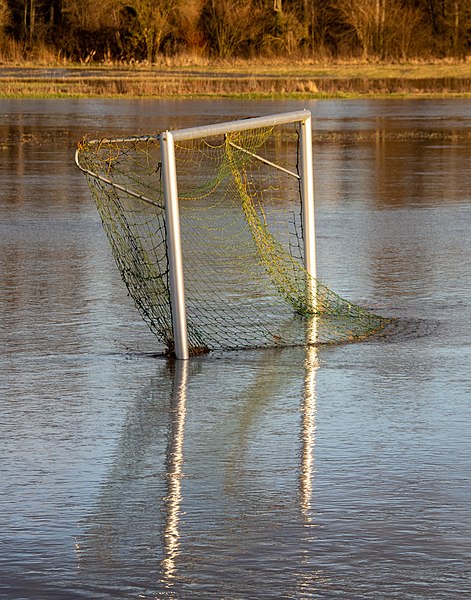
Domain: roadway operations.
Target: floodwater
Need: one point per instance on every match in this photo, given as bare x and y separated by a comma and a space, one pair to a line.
336, 472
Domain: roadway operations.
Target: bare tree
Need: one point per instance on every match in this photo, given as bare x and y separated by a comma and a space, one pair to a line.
153, 23
232, 26
92, 15
138, 29
188, 25
5, 16
385, 28
363, 17
456, 20
406, 32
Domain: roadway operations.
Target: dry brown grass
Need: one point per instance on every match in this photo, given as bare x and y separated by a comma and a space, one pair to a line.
237, 78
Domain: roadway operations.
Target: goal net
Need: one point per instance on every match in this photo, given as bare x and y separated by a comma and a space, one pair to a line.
242, 238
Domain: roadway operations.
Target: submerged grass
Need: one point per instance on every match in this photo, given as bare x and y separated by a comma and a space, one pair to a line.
248, 80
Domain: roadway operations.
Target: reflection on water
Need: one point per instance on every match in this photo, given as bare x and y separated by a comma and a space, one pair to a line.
175, 471
142, 516
336, 472
308, 431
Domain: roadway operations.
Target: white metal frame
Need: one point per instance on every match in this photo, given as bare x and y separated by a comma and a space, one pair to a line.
169, 177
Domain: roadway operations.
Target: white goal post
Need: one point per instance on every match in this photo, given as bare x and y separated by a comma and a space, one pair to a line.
170, 188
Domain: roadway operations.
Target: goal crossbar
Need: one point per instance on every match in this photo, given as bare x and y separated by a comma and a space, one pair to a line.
203, 131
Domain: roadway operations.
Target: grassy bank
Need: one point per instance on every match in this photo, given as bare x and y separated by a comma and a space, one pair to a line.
253, 79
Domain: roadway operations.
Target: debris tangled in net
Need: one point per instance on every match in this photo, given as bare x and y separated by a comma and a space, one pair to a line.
242, 241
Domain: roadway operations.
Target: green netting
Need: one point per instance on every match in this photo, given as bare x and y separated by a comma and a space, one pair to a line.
242, 240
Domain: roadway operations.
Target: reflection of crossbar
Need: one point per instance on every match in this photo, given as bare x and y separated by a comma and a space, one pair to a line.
264, 160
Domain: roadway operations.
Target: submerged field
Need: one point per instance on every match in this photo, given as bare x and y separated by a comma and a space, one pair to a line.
237, 80
337, 472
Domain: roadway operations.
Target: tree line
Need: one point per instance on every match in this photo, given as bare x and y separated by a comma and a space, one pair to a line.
147, 30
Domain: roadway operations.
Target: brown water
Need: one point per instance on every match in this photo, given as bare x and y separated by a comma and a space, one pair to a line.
336, 473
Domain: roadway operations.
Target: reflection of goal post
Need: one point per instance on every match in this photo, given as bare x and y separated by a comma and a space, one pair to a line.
170, 188
212, 229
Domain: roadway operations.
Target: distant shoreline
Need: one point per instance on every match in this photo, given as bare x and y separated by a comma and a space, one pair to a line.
237, 80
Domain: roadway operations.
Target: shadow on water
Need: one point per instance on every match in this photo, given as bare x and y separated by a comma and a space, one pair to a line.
403, 328
176, 506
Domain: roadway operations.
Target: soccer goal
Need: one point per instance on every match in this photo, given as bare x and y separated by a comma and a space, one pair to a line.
212, 229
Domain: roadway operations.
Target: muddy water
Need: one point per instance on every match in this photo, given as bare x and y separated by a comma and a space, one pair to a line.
341, 472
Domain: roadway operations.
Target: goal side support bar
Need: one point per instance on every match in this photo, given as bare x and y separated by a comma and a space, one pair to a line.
174, 246
169, 177
307, 200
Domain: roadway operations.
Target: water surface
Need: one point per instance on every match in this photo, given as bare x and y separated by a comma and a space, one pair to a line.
337, 472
